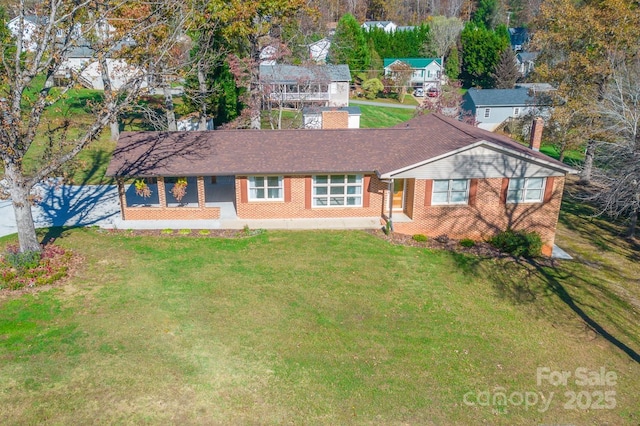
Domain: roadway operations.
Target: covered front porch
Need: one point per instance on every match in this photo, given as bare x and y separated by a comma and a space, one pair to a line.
398, 206
156, 198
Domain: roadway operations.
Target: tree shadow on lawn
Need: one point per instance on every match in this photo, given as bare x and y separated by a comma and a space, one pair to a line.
530, 282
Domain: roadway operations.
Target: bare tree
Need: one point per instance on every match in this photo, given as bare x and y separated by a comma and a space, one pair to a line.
401, 74
444, 33
616, 167
27, 87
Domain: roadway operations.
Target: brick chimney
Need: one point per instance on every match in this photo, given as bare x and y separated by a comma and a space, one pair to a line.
335, 119
536, 134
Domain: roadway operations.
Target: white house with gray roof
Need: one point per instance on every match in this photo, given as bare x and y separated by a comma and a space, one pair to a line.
387, 26
323, 85
492, 107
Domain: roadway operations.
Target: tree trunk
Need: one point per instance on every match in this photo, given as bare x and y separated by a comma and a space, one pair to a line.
202, 86
19, 193
585, 176
168, 105
114, 126
633, 224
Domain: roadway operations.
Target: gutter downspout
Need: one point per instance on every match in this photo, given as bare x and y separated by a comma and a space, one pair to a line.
391, 205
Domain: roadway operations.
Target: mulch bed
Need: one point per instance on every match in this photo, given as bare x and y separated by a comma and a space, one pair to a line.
480, 249
207, 233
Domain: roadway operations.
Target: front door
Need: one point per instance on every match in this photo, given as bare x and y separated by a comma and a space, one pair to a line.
398, 194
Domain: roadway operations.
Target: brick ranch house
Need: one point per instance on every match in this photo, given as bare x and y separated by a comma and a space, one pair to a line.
431, 175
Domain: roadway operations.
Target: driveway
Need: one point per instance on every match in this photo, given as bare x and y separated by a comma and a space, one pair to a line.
67, 205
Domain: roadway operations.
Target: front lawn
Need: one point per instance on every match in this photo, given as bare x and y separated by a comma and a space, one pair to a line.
309, 328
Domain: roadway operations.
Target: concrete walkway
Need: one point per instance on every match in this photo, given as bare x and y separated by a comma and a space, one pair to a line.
300, 224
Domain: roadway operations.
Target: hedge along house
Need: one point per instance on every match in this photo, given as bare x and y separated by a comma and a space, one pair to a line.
431, 175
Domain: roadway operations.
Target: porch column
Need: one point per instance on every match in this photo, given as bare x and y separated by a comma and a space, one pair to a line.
391, 182
201, 197
123, 198
162, 195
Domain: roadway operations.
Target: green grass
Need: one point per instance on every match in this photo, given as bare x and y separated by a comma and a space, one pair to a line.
408, 100
291, 119
311, 328
572, 157
376, 117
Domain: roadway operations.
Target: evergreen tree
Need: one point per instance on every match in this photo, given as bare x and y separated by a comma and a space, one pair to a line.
349, 46
481, 49
376, 64
506, 73
485, 13
452, 66
401, 44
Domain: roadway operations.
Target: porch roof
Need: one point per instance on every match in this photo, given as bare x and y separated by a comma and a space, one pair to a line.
246, 152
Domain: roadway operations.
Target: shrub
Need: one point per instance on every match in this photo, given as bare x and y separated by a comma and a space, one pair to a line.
371, 88
518, 243
18, 270
467, 242
21, 261
167, 231
184, 231
421, 238
204, 232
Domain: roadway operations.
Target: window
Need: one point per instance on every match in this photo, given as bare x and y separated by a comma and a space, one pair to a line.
265, 188
516, 112
487, 112
525, 190
451, 191
337, 191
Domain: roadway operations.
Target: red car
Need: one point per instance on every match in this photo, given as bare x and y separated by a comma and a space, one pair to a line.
433, 92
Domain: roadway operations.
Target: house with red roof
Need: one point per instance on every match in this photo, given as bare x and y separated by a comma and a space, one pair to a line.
432, 175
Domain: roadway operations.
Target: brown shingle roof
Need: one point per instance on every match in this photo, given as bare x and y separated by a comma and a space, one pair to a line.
238, 152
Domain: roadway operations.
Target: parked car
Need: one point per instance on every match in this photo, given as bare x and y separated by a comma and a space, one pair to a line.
419, 92
433, 92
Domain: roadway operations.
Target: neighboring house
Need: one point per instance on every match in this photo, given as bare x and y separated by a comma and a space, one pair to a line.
82, 59
431, 175
491, 107
30, 26
427, 72
526, 62
319, 50
325, 85
537, 89
268, 55
331, 118
387, 26
519, 38
191, 122
32, 23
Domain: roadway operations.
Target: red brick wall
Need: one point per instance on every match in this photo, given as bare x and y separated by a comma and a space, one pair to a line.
488, 216
335, 119
170, 213
297, 202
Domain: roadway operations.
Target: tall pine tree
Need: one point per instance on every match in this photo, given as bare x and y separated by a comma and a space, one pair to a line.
349, 46
506, 73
